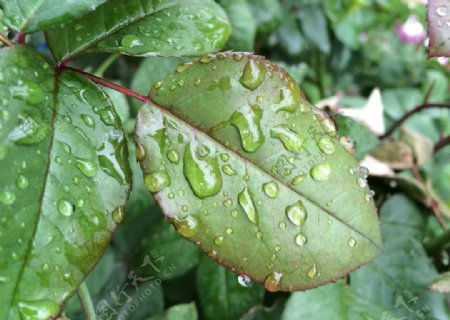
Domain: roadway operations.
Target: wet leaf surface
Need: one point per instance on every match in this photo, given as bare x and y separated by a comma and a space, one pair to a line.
439, 28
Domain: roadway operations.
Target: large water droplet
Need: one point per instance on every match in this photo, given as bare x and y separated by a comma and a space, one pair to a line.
351, 242
65, 208
301, 239
297, 213
228, 170
88, 121
131, 41
291, 140
271, 189
245, 281
218, 241
7, 197
118, 214
312, 272
88, 168
245, 199
298, 179
326, 145
289, 97
254, 74
321, 172
31, 129
173, 156
22, 182
273, 281
442, 11
201, 170
157, 181
37, 310
187, 227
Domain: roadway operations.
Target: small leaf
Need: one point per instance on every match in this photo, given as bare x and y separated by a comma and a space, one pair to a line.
315, 27
254, 175
185, 311
149, 28
441, 283
439, 28
58, 154
268, 14
30, 15
220, 294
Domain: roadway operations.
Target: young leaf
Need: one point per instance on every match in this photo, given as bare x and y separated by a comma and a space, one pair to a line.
438, 28
31, 15
149, 28
268, 14
247, 169
58, 156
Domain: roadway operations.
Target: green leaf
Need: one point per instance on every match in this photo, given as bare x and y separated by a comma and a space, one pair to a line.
58, 155
185, 311
268, 14
334, 301
260, 312
315, 27
220, 294
441, 283
248, 170
292, 41
243, 23
36, 15
438, 15
391, 281
149, 28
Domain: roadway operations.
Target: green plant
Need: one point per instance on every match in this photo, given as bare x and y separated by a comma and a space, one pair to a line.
236, 157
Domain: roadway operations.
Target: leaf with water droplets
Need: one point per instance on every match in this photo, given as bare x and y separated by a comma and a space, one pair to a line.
30, 15
266, 185
144, 28
63, 183
439, 28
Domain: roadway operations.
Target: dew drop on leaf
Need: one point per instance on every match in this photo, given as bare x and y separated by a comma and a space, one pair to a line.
271, 189
88, 168
298, 179
228, 170
131, 41
21, 182
7, 197
218, 241
88, 121
291, 140
326, 145
245, 199
244, 281
312, 272
36, 310
321, 172
254, 74
65, 208
272, 282
173, 156
157, 181
118, 214
301, 239
187, 227
351, 242
347, 143
297, 213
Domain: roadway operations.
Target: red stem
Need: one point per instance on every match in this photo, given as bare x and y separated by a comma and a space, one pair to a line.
442, 143
21, 38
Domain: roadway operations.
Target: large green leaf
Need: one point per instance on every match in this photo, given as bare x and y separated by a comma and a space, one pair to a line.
221, 295
247, 169
58, 156
144, 28
35, 15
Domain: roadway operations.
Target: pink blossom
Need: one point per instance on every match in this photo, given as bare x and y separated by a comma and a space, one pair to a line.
442, 60
412, 31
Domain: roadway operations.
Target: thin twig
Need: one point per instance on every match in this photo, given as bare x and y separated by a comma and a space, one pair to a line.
445, 141
86, 302
106, 64
429, 92
5, 40
408, 114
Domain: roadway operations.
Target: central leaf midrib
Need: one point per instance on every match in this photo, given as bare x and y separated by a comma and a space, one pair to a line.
162, 109
119, 27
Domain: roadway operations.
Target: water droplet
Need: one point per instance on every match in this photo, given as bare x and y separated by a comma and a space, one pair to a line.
297, 213
245, 281
273, 281
348, 144
291, 140
118, 214
65, 208
197, 82
326, 145
362, 182
7, 197
234, 213
271, 189
228, 170
22, 182
301, 239
88, 120
229, 231
218, 241
312, 271
277, 248
206, 59
228, 203
238, 57
289, 97
35, 310
170, 195
131, 41
30, 130
363, 172
282, 225
187, 227
369, 195
225, 157
254, 74
298, 179
157, 181
321, 172
442, 11
88, 168
246, 201
173, 156
351, 243
259, 235
202, 171
184, 208
183, 67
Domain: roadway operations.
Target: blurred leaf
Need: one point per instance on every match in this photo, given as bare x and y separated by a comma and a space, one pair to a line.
267, 13
438, 31
176, 256
186, 311
396, 153
260, 312
336, 301
440, 82
421, 146
31, 15
391, 281
291, 39
243, 23
66, 182
441, 283
3, 29
315, 27
296, 71
162, 28
120, 103
220, 294
249, 215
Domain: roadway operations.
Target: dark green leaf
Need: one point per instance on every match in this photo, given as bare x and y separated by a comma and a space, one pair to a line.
149, 28
267, 13
315, 27
58, 155
243, 23
32, 15
291, 40
247, 169
186, 311
220, 294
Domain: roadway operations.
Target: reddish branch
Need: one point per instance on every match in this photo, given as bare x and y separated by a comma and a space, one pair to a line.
408, 114
5, 40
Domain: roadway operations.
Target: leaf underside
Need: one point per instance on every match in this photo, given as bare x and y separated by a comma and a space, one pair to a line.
58, 155
439, 28
247, 169
144, 28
